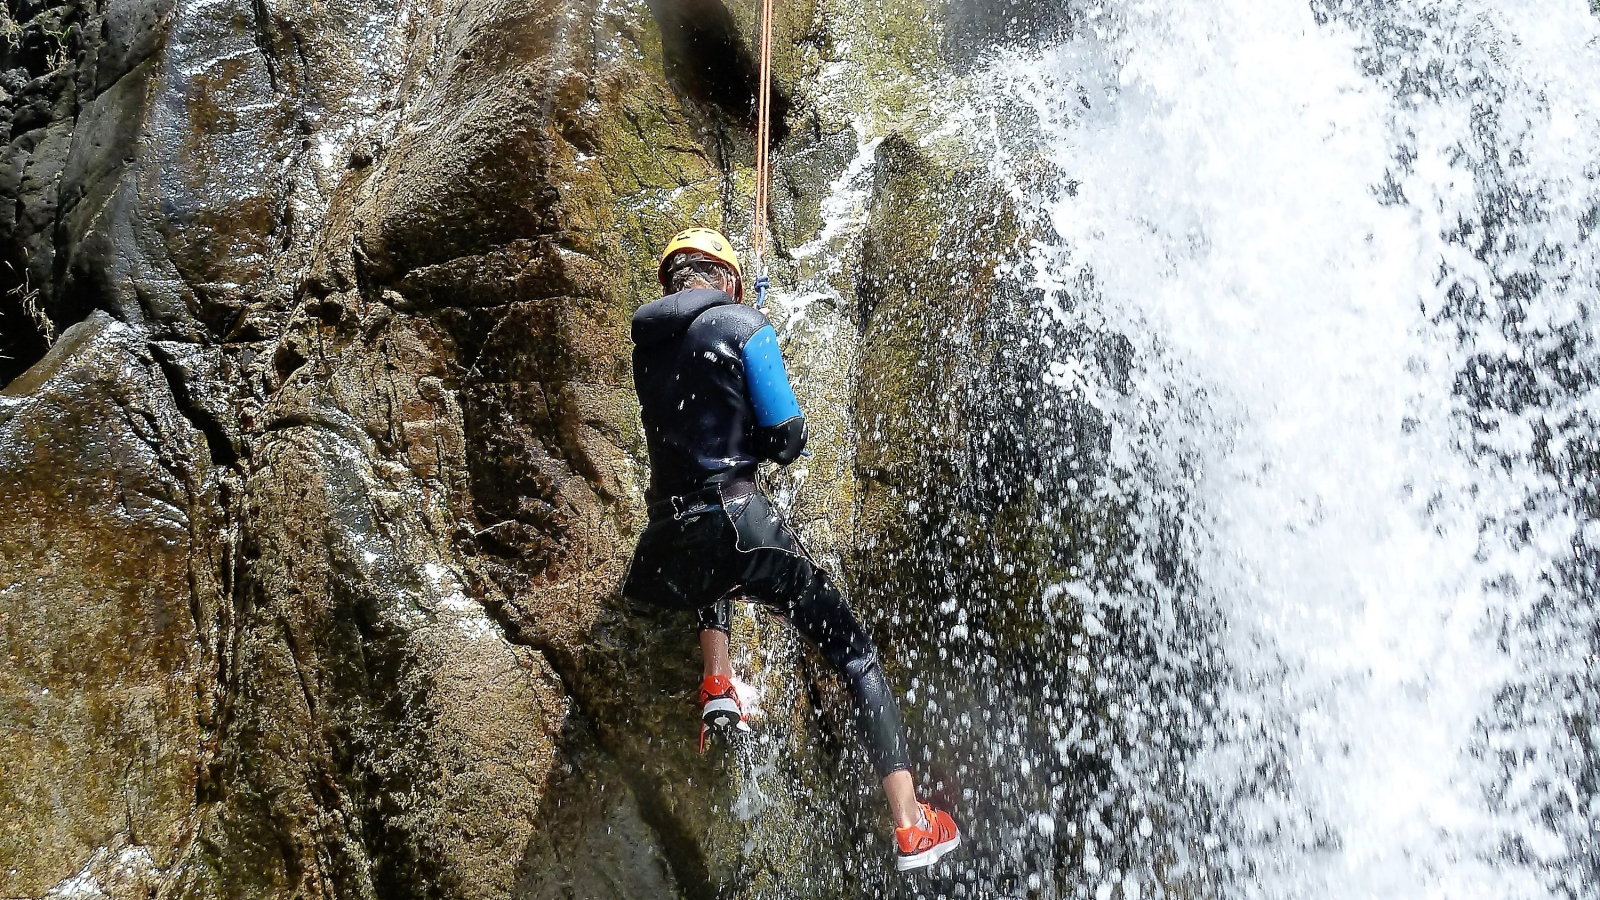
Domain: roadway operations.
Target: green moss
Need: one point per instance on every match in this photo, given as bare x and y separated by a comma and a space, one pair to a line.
927, 285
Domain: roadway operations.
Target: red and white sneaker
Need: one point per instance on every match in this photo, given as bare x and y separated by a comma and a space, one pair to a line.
719, 707
923, 843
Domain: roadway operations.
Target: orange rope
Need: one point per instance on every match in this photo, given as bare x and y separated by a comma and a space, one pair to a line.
758, 237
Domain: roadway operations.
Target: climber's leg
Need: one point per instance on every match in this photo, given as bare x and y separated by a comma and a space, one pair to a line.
777, 572
821, 615
714, 653
902, 795
719, 701
780, 574
690, 562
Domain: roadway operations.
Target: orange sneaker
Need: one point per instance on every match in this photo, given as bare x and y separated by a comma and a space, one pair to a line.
923, 843
719, 707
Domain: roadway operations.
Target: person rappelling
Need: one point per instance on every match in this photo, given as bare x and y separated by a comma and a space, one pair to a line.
716, 402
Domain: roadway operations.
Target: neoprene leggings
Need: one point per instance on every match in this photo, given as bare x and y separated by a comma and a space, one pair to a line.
745, 548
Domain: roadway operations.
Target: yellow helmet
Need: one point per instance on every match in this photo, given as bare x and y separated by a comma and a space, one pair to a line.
712, 243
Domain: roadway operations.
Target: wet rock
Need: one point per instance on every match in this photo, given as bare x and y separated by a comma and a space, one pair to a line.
978, 29
597, 845
111, 574
384, 735
337, 464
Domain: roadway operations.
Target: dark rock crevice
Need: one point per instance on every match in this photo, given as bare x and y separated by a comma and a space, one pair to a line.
261, 24
39, 63
713, 63
219, 440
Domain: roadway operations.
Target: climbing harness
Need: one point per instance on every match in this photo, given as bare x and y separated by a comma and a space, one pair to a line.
758, 225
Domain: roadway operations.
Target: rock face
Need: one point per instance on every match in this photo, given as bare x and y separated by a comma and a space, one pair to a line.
317, 505
111, 609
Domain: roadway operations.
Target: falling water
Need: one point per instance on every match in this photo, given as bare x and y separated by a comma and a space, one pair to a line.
1310, 308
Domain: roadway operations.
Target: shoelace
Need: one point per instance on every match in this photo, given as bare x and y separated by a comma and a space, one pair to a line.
923, 828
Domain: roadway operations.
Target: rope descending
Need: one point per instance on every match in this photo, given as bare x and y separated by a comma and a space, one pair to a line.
758, 225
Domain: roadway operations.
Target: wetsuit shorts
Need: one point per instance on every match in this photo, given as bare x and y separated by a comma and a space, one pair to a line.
701, 555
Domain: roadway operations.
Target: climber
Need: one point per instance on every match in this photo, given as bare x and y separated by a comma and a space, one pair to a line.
716, 401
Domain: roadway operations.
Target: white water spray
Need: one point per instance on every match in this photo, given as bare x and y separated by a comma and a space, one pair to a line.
1324, 229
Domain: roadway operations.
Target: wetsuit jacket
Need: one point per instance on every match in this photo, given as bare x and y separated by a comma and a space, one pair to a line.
715, 397
716, 401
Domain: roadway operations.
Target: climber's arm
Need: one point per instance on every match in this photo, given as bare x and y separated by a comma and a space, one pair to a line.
780, 433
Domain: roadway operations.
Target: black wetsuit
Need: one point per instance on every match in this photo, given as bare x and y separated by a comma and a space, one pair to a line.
715, 402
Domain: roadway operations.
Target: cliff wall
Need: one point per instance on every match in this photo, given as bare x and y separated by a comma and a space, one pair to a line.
323, 463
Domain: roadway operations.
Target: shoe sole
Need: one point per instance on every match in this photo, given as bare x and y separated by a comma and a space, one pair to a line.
927, 857
720, 714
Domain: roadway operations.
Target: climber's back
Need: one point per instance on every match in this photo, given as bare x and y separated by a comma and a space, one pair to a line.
689, 370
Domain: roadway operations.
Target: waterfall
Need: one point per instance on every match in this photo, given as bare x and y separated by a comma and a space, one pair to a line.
1323, 279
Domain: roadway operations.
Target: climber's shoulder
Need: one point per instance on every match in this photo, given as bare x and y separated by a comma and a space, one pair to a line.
731, 324
669, 317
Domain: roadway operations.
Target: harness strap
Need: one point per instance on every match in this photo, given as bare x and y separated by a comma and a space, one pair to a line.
699, 502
